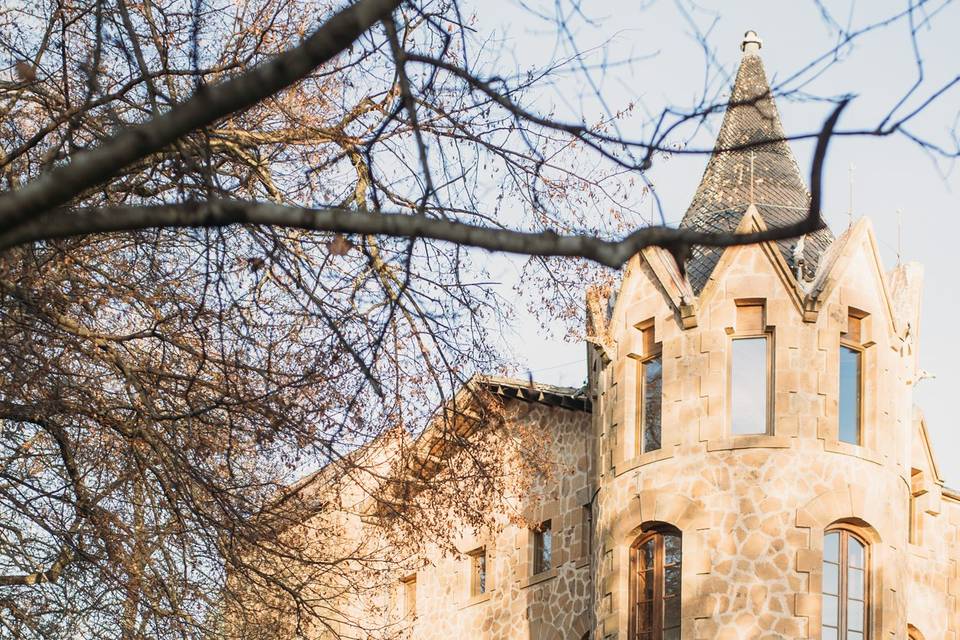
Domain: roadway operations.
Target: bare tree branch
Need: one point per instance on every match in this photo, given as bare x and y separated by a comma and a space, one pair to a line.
209, 104
611, 253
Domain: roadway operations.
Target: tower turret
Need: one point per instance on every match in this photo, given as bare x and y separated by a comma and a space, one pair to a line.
752, 163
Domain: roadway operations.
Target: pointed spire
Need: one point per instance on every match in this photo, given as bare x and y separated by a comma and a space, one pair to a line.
751, 163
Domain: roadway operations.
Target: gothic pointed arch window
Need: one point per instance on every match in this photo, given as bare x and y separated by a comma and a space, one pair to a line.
655, 569
846, 579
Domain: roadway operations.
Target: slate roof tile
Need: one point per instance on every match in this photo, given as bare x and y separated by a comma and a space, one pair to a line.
764, 173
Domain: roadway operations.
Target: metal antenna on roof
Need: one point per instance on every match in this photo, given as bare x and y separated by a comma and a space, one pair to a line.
850, 206
752, 201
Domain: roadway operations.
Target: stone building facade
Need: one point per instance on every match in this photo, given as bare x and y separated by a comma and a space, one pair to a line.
745, 462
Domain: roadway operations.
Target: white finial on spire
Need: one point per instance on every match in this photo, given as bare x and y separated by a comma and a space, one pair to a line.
751, 43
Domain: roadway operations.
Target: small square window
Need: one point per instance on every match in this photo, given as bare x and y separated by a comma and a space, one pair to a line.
543, 548
478, 572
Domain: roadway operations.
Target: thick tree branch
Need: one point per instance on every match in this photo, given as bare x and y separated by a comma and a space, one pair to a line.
65, 223
87, 170
51, 574
219, 213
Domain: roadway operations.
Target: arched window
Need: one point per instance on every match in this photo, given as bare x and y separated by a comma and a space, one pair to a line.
845, 586
655, 586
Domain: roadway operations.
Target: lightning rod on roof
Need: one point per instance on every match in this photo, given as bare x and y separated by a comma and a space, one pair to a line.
899, 234
850, 205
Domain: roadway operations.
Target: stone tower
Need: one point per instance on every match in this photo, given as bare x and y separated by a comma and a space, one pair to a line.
761, 469
745, 462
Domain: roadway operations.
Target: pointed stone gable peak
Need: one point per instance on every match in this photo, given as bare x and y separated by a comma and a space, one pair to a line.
751, 163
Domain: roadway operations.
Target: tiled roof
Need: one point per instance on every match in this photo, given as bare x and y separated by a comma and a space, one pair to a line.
567, 397
765, 174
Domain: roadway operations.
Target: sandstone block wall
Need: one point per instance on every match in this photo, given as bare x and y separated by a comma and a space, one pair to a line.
753, 508
521, 605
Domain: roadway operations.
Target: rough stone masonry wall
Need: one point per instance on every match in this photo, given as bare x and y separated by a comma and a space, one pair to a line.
753, 509
932, 589
555, 605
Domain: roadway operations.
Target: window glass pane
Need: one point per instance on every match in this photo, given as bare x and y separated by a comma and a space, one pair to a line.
855, 583
671, 546
481, 561
849, 395
748, 386
831, 578
649, 580
543, 548
547, 555
854, 552
828, 633
671, 613
646, 554
652, 394
853, 635
671, 582
645, 614
854, 615
830, 610
671, 634
831, 547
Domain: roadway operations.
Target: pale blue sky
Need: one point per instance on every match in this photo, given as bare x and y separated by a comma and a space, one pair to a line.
890, 173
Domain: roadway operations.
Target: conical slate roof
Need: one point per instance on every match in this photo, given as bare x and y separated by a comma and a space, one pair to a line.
765, 174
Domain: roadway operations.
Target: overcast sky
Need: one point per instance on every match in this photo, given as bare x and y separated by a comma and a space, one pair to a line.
889, 173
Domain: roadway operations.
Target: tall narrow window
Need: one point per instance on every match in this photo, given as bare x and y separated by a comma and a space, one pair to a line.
543, 548
850, 400
588, 531
749, 385
651, 393
478, 572
851, 372
655, 564
845, 583
410, 595
916, 511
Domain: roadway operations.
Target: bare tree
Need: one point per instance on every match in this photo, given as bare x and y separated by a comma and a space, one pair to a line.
227, 260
